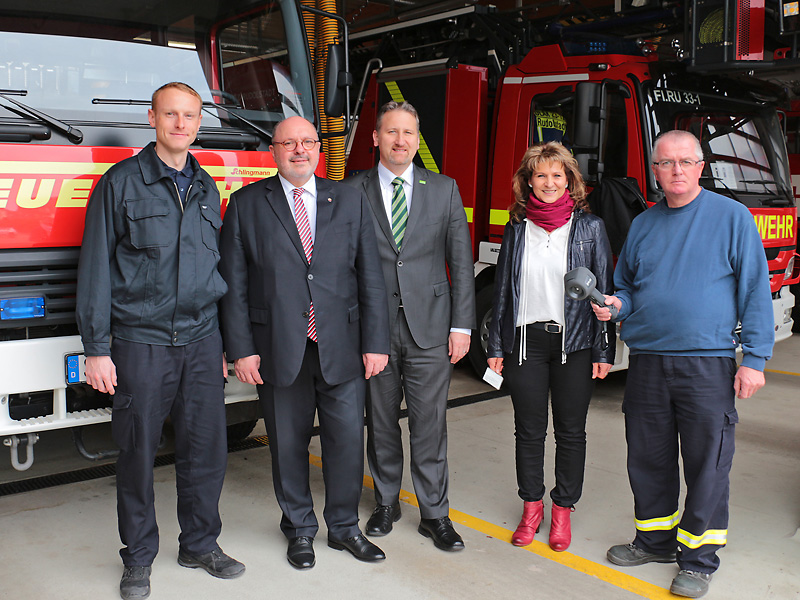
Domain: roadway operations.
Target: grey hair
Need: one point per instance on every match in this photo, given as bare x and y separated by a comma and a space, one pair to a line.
677, 135
392, 105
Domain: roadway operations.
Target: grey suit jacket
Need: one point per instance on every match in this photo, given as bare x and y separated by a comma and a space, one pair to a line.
271, 284
436, 240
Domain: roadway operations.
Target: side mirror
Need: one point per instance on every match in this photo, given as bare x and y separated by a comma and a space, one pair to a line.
337, 81
587, 128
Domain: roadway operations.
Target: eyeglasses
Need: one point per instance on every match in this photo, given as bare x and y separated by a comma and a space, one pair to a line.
292, 144
668, 164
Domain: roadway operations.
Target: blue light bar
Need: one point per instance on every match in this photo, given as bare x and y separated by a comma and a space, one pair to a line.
597, 48
21, 308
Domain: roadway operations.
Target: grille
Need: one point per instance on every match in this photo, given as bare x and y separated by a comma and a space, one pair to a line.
744, 29
49, 272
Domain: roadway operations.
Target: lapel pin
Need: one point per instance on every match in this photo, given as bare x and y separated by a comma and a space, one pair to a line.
330, 199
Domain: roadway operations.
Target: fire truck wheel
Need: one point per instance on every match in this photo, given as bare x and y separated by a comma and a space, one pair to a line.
239, 431
480, 336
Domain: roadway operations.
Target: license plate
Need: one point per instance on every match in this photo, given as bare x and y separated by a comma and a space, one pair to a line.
76, 368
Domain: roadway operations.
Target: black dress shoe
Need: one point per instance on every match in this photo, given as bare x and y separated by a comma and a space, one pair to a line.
358, 546
301, 552
442, 532
380, 523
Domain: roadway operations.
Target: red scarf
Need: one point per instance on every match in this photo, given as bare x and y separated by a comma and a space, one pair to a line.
549, 216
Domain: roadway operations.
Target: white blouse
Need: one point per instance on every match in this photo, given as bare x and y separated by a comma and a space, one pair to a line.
544, 264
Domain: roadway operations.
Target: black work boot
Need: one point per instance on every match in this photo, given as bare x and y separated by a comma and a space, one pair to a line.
135, 583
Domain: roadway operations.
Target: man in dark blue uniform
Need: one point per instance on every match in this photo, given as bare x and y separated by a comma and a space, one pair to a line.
148, 278
704, 250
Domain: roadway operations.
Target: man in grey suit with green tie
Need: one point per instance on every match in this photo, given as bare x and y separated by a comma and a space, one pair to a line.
422, 234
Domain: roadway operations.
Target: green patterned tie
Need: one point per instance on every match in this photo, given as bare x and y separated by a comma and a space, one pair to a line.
399, 211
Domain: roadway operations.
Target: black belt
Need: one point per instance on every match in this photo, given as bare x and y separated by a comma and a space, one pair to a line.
548, 327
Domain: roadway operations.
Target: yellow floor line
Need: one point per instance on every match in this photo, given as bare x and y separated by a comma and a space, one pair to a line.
781, 372
602, 572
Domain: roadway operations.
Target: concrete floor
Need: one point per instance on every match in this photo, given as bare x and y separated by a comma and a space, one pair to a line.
61, 542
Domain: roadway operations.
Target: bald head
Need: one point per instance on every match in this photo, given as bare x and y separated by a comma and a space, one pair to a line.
677, 136
297, 165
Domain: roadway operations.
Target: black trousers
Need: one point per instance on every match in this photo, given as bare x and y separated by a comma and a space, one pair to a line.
569, 387
686, 403
289, 417
186, 384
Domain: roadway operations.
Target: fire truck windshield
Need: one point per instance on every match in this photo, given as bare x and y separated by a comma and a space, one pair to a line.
65, 58
742, 142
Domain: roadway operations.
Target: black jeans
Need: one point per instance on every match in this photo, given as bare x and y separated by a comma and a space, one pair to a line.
570, 388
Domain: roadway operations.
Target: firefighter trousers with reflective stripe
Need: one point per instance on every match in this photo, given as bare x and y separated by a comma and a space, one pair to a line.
686, 403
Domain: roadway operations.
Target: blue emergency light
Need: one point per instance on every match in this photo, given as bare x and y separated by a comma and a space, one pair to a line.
21, 308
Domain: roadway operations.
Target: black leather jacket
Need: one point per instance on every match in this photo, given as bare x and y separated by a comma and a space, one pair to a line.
587, 247
148, 266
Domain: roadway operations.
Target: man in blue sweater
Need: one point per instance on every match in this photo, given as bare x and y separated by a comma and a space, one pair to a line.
691, 269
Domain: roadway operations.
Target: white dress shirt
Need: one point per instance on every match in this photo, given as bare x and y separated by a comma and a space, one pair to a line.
309, 200
385, 177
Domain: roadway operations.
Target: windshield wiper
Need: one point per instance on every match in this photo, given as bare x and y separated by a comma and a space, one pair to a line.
75, 135
759, 181
725, 185
775, 199
206, 106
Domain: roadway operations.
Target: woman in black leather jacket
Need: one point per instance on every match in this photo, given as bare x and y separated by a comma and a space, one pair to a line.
549, 344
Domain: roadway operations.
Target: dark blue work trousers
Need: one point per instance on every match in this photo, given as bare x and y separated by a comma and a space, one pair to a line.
681, 403
185, 383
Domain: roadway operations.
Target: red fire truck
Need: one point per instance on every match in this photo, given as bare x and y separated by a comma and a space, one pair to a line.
793, 147
75, 84
615, 97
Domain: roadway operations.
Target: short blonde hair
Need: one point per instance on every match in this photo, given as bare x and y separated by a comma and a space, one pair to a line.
540, 154
177, 85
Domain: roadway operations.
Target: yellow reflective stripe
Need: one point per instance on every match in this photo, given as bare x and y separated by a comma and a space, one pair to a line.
498, 217
29, 167
712, 536
424, 152
658, 523
469, 214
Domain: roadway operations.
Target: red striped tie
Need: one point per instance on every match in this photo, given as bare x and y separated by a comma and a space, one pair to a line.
304, 229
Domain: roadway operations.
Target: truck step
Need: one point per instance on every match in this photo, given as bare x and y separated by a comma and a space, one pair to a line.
50, 422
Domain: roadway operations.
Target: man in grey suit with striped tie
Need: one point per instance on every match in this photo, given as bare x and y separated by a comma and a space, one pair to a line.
422, 234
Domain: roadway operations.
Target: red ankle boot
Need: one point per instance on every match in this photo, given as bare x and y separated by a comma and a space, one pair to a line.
560, 528
532, 516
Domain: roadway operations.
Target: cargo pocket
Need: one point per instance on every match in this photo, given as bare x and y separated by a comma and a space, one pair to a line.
123, 425
726, 447
148, 223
